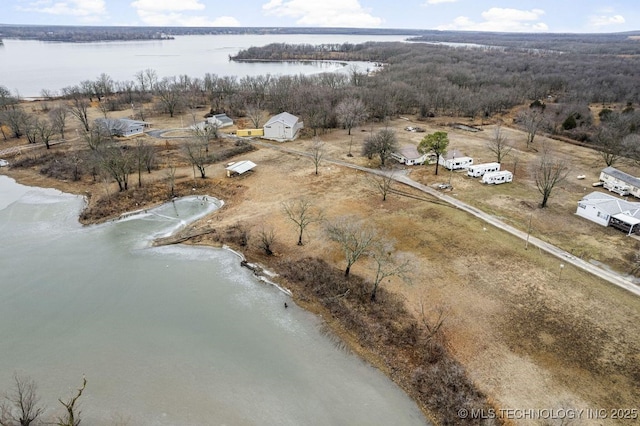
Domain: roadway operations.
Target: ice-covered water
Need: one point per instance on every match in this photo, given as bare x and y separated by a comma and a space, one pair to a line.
170, 335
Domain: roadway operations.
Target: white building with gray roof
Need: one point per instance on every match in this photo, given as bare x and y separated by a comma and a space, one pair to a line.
620, 182
607, 210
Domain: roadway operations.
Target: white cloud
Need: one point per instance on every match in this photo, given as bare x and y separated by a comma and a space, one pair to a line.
170, 13
501, 20
606, 20
86, 10
167, 5
428, 2
327, 13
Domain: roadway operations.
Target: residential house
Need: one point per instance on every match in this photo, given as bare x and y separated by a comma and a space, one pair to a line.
283, 127
607, 210
620, 182
409, 155
121, 126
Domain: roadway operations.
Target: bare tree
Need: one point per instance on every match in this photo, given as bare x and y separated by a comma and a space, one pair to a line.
350, 113
45, 130
266, 239
388, 264
117, 163
255, 114
143, 158
354, 238
58, 118
531, 119
499, 145
21, 407
72, 416
548, 174
302, 213
382, 183
16, 119
170, 95
433, 323
381, 143
78, 105
171, 179
198, 155
317, 152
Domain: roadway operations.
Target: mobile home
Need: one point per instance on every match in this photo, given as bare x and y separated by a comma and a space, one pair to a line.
456, 163
496, 178
478, 170
620, 182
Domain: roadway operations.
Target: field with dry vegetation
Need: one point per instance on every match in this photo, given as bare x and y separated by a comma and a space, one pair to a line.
522, 332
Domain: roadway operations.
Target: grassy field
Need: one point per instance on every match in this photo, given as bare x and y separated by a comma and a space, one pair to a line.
530, 334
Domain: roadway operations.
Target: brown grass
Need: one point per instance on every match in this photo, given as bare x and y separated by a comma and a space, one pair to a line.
524, 337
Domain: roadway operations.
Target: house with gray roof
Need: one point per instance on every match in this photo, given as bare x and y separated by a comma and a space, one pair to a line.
620, 182
220, 120
283, 127
607, 210
409, 155
121, 126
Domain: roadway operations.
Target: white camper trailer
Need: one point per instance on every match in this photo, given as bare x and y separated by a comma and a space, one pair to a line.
456, 163
478, 170
496, 178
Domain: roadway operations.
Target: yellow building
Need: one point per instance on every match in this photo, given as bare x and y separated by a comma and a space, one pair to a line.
250, 132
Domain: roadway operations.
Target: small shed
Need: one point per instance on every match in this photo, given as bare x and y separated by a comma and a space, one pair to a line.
220, 120
283, 127
239, 167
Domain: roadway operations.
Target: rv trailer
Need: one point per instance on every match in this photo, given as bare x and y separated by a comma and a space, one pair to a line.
478, 170
496, 178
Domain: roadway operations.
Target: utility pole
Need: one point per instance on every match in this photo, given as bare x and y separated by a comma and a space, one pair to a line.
526, 244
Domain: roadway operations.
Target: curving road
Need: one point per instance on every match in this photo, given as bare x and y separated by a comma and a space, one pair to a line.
563, 255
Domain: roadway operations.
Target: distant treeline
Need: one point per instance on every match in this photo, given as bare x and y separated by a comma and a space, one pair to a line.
472, 81
87, 33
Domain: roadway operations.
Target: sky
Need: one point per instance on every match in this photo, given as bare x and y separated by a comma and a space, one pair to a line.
552, 16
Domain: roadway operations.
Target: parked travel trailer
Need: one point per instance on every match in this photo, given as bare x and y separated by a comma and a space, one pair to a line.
456, 163
503, 176
478, 170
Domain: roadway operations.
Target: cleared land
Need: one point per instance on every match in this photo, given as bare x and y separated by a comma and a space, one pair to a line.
531, 335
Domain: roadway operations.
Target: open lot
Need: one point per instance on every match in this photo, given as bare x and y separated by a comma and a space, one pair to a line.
531, 335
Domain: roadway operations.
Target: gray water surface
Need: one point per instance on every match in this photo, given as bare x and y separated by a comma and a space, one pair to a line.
172, 335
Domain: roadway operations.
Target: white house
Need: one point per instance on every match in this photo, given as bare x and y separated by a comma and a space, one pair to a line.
283, 127
620, 182
409, 155
121, 126
220, 120
607, 210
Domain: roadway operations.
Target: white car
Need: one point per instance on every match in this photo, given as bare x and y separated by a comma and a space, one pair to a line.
4, 163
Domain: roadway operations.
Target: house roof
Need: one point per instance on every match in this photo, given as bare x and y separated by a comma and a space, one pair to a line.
241, 167
119, 123
283, 117
409, 152
620, 175
611, 205
223, 118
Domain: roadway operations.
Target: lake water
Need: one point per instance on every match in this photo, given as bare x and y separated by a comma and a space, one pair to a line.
172, 335
28, 66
